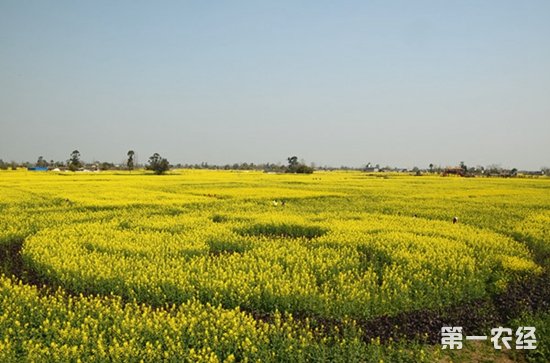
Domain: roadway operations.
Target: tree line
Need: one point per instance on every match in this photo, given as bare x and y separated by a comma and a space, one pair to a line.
156, 163
159, 165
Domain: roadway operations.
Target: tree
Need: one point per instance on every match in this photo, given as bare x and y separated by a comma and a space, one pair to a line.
295, 167
494, 169
41, 162
74, 161
292, 162
106, 166
130, 162
431, 168
304, 169
158, 164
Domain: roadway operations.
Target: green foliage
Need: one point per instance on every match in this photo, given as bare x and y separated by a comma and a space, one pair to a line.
158, 164
74, 162
41, 162
106, 166
283, 231
296, 167
130, 161
541, 321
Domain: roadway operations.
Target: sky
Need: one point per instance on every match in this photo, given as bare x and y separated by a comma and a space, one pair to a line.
400, 83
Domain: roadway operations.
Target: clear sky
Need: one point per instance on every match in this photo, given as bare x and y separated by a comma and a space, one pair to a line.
402, 83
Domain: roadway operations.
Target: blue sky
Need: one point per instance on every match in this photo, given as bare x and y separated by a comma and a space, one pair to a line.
334, 82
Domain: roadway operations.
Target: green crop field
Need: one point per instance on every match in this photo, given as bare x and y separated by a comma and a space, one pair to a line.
227, 266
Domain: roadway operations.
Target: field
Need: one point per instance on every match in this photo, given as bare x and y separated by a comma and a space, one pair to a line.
237, 266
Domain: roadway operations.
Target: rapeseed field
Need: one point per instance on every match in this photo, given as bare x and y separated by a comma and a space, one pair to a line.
224, 266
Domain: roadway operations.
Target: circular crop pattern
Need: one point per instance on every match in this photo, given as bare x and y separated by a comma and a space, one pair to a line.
359, 267
225, 266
